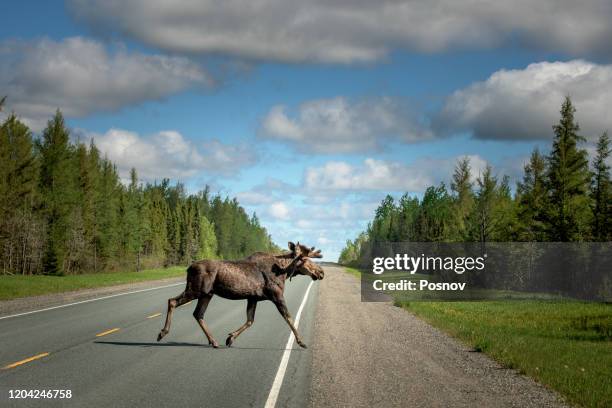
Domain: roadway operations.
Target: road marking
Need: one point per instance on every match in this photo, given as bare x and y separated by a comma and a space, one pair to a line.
27, 360
153, 315
92, 300
104, 333
280, 374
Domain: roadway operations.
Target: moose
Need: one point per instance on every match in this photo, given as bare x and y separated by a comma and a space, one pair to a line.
261, 276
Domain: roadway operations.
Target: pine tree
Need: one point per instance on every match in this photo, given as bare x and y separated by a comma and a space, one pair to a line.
208, 240
408, 213
463, 195
108, 232
436, 216
531, 197
601, 191
382, 226
568, 210
481, 218
20, 241
58, 190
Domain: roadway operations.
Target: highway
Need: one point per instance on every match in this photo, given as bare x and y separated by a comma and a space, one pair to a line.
105, 352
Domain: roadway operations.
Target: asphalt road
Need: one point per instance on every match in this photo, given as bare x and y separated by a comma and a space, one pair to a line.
128, 368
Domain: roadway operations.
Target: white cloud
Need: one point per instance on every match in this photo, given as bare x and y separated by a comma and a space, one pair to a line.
347, 31
338, 125
168, 154
371, 175
380, 175
254, 198
525, 103
279, 210
80, 76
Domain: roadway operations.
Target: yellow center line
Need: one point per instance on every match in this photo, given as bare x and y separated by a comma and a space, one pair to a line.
27, 360
153, 315
104, 333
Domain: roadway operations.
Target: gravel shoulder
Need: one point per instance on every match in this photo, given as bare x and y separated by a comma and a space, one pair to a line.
375, 354
27, 304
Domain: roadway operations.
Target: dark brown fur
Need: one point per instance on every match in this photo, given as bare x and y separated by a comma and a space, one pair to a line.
259, 277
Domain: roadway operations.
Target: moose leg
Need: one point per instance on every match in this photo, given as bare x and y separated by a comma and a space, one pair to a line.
198, 313
251, 305
172, 304
282, 308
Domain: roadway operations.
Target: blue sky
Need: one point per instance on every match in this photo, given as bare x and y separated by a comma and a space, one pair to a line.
309, 112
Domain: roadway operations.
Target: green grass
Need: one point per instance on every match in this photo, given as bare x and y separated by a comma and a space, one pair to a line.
17, 286
564, 345
353, 271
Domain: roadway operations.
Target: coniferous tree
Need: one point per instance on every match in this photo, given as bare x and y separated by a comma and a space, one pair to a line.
481, 218
382, 224
108, 213
531, 197
568, 179
461, 186
20, 228
601, 191
208, 241
436, 216
408, 212
58, 191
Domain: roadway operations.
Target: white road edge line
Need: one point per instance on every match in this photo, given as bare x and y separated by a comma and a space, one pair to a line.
280, 374
91, 300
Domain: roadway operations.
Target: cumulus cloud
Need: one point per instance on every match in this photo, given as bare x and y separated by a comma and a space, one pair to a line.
525, 103
279, 210
80, 76
338, 125
385, 175
254, 198
347, 31
168, 154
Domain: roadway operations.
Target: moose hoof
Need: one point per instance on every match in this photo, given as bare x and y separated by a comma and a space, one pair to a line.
302, 344
214, 344
229, 341
161, 335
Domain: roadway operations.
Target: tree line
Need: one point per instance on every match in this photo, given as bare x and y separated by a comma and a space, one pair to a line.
561, 198
65, 210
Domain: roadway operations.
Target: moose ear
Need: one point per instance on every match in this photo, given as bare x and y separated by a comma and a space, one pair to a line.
291, 246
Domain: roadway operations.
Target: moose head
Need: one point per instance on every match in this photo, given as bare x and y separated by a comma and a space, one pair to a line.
304, 266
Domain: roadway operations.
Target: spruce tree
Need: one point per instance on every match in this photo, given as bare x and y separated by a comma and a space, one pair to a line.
482, 222
568, 210
20, 240
436, 216
531, 197
601, 191
58, 190
461, 186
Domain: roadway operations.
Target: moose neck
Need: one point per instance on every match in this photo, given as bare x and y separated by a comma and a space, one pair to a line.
287, 264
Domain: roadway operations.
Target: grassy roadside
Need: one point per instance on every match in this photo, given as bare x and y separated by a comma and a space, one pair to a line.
564, 345
17, 286
353, 271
